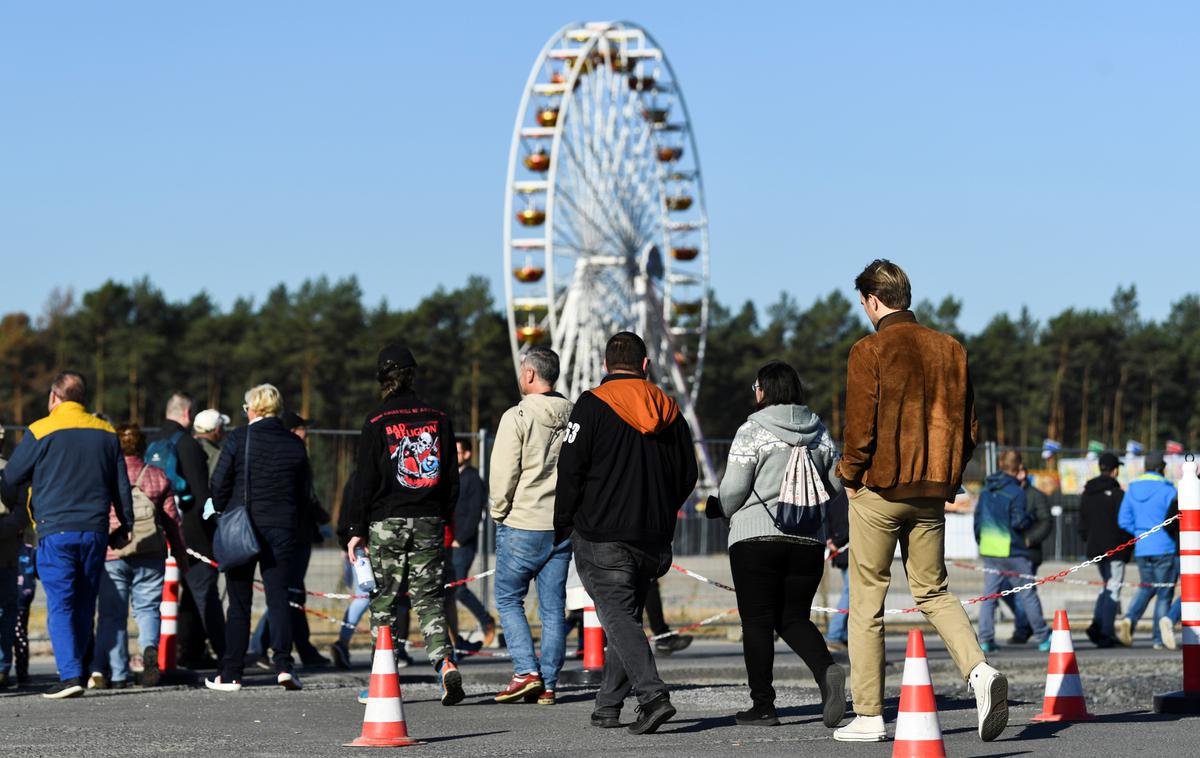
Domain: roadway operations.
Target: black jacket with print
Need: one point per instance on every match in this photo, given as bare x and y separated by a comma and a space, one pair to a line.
407, 464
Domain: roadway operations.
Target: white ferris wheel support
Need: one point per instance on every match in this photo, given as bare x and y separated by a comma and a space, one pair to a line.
605, 227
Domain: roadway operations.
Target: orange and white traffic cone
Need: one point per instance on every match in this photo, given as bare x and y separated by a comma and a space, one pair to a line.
169, 610
918, 731
1064, 691
383, 723
593, 648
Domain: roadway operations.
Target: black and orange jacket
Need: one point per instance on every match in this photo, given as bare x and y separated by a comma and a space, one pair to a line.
627, 464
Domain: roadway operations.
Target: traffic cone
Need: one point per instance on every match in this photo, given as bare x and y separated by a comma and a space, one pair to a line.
918, 731
1064, 692
383, 723
169, 611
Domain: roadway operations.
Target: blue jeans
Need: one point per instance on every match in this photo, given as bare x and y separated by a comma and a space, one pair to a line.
70, 565
839, 622
1029, 599
1154, 569
139, 578
358, 606
1112, 572
8, 615
523, 555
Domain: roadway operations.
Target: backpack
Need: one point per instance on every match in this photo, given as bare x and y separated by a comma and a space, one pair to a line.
803, 497
147, 536
163, 454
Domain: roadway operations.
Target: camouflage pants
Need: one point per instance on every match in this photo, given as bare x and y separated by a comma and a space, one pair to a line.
409, 553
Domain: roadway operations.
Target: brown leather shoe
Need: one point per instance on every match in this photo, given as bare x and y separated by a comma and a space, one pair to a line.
520, 687
489, 634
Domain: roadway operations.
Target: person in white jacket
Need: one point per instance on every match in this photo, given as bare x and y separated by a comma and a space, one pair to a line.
522, 484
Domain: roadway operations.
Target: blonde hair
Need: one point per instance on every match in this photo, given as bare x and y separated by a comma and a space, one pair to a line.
264, 400
1009, 462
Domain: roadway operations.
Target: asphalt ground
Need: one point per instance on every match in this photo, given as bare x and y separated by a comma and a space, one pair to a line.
708, 685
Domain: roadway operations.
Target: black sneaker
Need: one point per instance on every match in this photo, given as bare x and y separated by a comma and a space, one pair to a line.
340, 652
672, 644
264, 663
69, 688
150, 672
1018, 639
833, 695
606, 721
5, 680
652, 715
315, 661
758, 715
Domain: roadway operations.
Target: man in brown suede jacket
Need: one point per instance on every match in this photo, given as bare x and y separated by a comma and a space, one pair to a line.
910, 430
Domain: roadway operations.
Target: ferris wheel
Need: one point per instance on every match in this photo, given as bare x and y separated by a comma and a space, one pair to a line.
605, 226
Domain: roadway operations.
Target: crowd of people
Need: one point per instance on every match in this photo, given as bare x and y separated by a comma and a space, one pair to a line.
596, 483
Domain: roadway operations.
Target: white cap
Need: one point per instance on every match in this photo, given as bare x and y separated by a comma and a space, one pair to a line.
209, 420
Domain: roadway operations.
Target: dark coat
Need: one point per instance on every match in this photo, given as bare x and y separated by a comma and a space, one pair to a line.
280, 481
1099, 507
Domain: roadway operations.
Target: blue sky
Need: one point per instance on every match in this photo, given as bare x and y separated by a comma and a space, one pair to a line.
1005, 153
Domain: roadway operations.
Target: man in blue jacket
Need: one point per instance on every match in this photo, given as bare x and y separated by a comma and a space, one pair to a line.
74, 464
1151, 500
1001, 520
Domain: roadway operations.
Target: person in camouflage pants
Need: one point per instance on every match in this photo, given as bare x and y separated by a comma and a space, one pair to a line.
409, 552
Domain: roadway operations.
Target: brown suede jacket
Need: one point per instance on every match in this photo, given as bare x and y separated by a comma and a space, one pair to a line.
910, 412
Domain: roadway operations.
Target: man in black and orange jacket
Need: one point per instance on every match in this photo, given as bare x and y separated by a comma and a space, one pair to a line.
626, 467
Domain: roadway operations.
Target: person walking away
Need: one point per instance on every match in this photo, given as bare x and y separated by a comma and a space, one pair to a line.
264, 468
179, 455
1099, 510
1037, 505
313, 523
1001, 521
626, 466
73, 462
910, 430
136, 571
836, 636
472, 499
523, 480
1151, 500
776, 574
12, 524
408, 488
208, 429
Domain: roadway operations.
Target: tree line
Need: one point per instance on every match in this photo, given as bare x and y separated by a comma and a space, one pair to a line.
1083, 375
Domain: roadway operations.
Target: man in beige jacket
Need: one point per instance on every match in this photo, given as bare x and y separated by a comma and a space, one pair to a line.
522, 484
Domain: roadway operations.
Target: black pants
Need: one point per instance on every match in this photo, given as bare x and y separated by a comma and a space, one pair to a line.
776, 582
654, 610
280, 549
617, 575
298, 594
200, 612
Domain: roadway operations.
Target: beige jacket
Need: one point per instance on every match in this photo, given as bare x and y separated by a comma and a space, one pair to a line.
523, 474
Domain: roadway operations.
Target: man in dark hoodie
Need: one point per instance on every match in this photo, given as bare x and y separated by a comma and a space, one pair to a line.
407, 489
1099, 507
627, 465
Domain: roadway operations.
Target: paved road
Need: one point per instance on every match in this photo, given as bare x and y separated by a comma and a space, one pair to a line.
708, 685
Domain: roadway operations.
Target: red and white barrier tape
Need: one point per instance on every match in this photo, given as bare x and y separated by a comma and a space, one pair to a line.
994, 596
1079, 582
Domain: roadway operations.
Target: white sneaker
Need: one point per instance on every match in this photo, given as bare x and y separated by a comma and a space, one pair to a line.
1123, 629
289, 681
1166, 630
862, 729
97, 681
220, 686
991, 700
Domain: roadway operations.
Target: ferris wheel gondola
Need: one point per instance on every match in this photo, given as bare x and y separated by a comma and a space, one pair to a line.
605, 227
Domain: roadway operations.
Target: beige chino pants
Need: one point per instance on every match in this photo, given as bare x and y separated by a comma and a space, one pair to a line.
919, 526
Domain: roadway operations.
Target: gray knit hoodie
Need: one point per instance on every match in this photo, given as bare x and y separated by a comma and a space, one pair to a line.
757, 461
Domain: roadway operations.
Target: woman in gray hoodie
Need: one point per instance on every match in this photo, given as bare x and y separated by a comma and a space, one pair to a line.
776, 574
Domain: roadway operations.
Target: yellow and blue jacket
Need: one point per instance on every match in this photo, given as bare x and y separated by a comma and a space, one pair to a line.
73, 464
